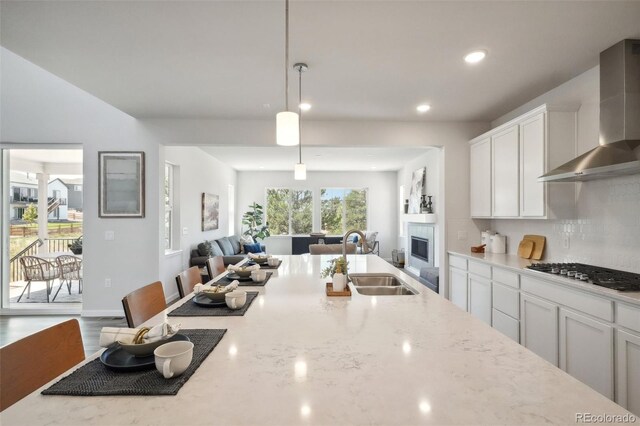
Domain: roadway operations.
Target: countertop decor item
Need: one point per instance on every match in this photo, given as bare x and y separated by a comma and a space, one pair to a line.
331, 293
478, 249
539, 242
525, 248
124, 358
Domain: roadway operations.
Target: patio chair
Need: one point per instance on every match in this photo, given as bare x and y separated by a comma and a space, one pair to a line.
70, 268
186, 280
37, 359
143, 303
37, 269
331, 248
215, 266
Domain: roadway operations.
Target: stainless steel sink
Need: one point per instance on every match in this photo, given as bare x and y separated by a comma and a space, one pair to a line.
380, 285
376, 280
385, 291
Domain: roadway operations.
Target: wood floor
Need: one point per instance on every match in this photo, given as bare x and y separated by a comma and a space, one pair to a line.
13, 328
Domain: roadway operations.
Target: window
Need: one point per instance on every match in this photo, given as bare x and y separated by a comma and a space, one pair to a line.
77, 188
342, 209
171, 235
289, 211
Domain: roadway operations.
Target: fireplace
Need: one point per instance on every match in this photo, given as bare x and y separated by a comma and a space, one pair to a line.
420, 248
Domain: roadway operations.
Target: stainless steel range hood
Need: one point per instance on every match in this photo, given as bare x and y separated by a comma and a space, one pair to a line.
619, 150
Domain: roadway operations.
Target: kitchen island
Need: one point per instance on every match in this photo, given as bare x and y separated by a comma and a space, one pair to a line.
298, 357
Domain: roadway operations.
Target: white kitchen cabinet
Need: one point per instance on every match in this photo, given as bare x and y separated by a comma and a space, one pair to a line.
532, 166
480, 298
539, 327
506, 325
586, 350
505, 173
480, 178
628, 371
458, 288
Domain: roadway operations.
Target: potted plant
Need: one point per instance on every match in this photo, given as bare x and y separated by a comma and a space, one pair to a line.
76, 246
337, 270
253, 221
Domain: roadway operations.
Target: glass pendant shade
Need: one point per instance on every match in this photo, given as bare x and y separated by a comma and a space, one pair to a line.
300, 172
287, 128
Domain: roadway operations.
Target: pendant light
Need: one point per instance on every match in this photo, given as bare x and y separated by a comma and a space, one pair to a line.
287, 122
300, 169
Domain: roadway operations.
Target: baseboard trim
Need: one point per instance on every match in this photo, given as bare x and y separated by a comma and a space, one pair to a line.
102, 313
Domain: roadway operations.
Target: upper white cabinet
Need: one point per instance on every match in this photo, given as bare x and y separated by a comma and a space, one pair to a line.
504, 158
505, 164
480, 172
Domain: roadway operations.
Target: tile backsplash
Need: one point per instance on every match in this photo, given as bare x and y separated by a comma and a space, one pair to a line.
605, 231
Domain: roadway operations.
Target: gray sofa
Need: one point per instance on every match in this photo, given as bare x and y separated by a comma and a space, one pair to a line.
228, 247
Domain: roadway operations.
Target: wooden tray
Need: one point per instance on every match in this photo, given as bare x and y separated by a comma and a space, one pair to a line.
330, 292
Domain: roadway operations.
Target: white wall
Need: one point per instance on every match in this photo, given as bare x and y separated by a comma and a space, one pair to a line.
605, 230
39, 108
198, 172
381, 201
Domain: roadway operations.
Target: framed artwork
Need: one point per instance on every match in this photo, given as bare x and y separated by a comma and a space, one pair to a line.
418, 183
121, 184
210, 211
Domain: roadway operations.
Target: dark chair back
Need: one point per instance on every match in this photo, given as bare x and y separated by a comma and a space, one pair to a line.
186, 280
37, 359
215, 266
143, 303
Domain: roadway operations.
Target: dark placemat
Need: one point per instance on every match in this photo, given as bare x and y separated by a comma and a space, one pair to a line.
190, 309
94, 379
226, 281
266, 266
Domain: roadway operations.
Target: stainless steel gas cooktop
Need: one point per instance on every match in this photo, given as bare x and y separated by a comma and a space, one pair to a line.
610, 278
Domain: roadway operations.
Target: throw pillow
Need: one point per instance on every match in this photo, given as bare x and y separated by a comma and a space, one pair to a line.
204, 249
235, 243
226, 247
215, 249
252, 248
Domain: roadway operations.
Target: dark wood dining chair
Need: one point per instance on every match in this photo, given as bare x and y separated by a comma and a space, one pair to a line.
143, 303
37, 359
186, 280
215, 266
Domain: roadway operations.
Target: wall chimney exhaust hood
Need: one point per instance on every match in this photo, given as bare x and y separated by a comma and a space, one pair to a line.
619, 150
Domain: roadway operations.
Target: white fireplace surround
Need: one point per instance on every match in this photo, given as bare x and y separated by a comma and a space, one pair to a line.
425, 231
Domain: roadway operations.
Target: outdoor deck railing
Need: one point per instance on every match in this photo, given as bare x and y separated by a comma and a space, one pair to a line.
15, 267
59, 244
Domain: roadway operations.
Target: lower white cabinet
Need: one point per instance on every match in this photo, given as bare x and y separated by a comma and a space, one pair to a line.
480, 298
586, 350
539, 327
458, 288
506, 325
628, 371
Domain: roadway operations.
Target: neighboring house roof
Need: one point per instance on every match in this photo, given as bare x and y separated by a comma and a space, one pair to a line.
77, 181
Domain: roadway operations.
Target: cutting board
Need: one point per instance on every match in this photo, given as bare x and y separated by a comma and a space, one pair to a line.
525, 249
538, 245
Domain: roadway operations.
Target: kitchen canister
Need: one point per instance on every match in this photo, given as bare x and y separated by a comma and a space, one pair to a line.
498, 243
486, 240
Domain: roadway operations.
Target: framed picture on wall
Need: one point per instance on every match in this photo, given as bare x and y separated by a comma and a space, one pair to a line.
210, 211
418, 184
121, 184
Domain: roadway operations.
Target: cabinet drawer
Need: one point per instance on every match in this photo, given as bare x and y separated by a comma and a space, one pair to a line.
458, 262
506, 277
628, 316
506, 299
482, 269
592, 305
506, 325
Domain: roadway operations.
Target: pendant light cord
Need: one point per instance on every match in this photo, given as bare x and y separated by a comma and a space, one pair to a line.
300, 112
286, 55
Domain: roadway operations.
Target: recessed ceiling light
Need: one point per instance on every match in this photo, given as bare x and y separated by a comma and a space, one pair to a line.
423, 108
305, 106
475, 56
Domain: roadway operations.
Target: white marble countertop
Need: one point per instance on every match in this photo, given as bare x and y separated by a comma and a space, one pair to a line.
518, 264
299, 357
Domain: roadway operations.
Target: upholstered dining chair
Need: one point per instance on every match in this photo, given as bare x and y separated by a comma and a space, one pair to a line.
70, 268
186, 280
331, 248
37, 359
143, 303
215, 266
37, 269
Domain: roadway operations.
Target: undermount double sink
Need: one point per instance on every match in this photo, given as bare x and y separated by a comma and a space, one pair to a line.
380, 285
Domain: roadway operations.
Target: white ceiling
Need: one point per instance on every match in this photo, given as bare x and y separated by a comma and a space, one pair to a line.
316, 158
368, 59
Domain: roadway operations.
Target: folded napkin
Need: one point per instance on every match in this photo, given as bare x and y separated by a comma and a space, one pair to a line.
257, 255
232, 286
200, 287
110, 335
246, 268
